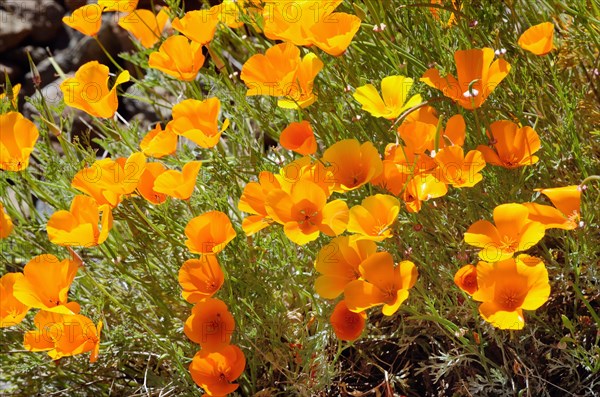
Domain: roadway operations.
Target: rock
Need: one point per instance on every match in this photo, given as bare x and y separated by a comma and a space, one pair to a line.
47, 21
14, 30
15, 73
72, 5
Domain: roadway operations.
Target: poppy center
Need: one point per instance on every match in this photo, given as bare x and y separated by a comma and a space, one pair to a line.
510, 299
509, 244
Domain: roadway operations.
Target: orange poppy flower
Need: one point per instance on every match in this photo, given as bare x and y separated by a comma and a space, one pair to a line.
304, 212
18, 138
514, 146
305, 169
352, 164
253, 200
209, 233
200, 278
508, 287
79, 225
64, 335
48, 330
422, 188
198, 25
395, 91
374, 217
425, 114
14, 96
88, 90
86, 19
107, 180
126, 6
458, 170
338, 262
6, 225
538, 39
271, 73
145, 26
466, 279
158, 142
299, 137
178, 57
210, 324
178, 184
46, 283
291, 22
410, 160
84, 336
513, 232
146, 185
299, 94
478, 75
382, 284
334, 38
12, 311
308, 23
419, 132
392, 179
419, 137
566, 215
215, 371
347, 325
198, 121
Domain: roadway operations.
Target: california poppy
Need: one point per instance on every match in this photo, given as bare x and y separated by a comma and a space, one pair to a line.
513, 232
158, 142
422, 188
198, 25
88, 90
46, 283
178, 57
382, 284
538, 39
353, 164
198, 121
299, 137
253, 200
64, 335
146, 185
17, 140
230, 12
209, 233
304, 212
178, 184
200, 278
478, 75
272, 73
299, 94
374, 217
6, 225
210, 325
145, 26
86, 19
12, 311
13, 96
566, 215
457, 169
215, 371
347, 325
305, 169
466, 279
83, 336
395, 91
508, 287
514, 146
107, 180
79, 225
126, 6
418, 137
338, 262
311, 23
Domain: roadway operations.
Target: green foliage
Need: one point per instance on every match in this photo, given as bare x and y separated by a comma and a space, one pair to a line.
437, 344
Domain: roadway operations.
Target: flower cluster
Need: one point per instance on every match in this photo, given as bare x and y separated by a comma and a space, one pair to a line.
504, 283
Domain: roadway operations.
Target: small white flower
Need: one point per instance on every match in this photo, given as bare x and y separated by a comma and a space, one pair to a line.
500, 52
379, 28
581, 224
432, 154
471, 93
